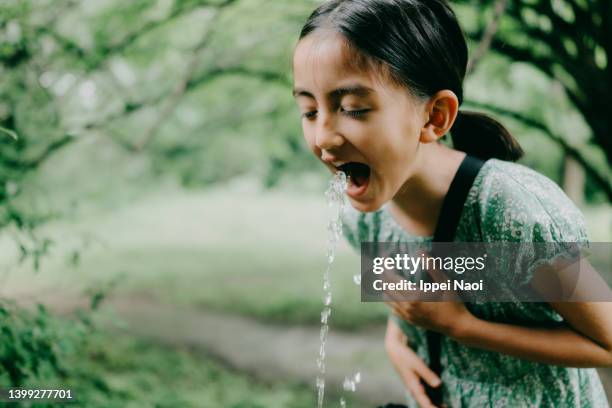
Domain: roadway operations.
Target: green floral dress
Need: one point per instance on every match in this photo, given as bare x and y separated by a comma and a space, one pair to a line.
507, 202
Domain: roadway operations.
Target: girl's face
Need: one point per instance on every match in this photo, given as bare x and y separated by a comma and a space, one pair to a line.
356, 121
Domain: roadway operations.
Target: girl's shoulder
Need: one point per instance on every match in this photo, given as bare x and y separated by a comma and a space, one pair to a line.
516, 203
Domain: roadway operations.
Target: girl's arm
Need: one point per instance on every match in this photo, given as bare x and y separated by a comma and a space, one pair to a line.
584, 339
587, 344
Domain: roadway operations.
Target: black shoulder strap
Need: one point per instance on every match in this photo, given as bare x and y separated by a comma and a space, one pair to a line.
448, 220
452, 206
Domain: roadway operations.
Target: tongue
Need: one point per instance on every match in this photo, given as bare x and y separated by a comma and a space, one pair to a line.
359, 179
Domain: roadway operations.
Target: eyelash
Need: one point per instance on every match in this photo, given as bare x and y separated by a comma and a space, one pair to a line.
355, 114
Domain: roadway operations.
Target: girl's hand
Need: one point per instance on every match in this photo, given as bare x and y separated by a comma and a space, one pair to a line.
410, 367
448, 315
447, 318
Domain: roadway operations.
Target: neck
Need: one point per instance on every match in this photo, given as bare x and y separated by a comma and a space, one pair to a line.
421, 197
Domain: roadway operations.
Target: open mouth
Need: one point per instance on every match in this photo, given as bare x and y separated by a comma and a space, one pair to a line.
358, 177
359, 173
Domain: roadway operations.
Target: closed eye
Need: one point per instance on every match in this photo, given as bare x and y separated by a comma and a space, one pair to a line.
355, 114
309, 114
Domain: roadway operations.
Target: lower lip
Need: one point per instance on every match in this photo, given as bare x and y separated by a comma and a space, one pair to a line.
355, 192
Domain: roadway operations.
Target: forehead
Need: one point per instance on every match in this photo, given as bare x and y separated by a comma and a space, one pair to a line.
323, 60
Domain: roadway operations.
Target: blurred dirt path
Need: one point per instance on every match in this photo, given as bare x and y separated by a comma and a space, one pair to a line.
267, 351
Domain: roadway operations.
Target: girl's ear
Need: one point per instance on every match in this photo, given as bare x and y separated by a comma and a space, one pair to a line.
441, 112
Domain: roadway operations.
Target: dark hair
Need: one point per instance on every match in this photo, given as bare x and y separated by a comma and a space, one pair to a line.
420, 44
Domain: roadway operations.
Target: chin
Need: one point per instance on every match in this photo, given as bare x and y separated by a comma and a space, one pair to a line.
365, 207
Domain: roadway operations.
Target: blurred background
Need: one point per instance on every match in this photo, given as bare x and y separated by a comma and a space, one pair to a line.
162, 224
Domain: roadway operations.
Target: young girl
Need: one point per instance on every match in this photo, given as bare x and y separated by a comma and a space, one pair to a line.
378, 83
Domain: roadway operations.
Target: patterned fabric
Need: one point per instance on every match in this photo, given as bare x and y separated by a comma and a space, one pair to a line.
507, 202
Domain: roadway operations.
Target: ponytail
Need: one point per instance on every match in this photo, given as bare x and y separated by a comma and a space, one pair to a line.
482, 136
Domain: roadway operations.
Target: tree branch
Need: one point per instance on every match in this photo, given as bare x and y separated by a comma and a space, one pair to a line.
270, 76
485, 43
582, 66
173, 100
32, 164
180, 88
102, 54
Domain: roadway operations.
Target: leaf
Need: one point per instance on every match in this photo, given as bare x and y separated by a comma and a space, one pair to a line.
9, 132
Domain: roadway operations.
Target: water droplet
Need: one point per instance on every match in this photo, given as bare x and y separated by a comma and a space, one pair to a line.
320, 382
320, 391
328, 299
357, 279
325, 315
324, 331
321, 364
349, 385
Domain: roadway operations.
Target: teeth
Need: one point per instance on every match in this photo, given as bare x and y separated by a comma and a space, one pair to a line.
338, 163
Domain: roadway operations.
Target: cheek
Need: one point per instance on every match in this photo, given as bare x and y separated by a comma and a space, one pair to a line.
402, 142
362, 135
379, 140
309, 137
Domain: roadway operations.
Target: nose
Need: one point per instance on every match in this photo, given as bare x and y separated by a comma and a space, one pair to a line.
327, 136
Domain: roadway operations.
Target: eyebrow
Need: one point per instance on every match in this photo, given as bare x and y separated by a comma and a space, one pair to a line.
357, 90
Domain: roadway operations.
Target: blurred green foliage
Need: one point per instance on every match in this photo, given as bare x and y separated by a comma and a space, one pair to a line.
108, 97
104, 370
33, 348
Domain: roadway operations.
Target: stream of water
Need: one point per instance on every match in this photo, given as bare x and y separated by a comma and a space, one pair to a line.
335, 200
